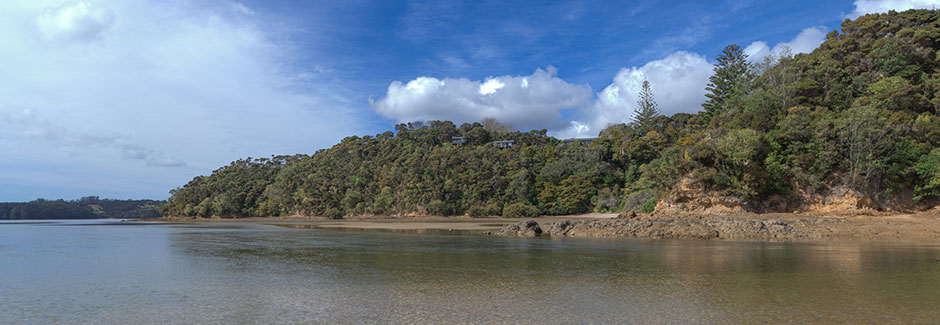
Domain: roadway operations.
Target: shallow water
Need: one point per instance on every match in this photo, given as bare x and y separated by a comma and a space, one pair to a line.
111, 272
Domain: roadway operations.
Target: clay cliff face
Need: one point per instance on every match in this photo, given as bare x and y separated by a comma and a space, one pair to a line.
690, 196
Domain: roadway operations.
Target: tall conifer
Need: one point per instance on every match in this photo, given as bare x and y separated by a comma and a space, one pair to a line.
731, 72
646, 109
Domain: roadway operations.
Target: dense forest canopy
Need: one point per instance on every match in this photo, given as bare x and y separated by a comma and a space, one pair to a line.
89, 207
860, 113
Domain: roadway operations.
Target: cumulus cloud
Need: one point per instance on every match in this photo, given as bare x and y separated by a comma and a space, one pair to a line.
863, 7
678, 82
538, 100
532, 101
804, 42
79, 21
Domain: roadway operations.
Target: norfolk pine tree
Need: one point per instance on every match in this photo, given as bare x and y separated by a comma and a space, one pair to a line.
646, 109
731, 72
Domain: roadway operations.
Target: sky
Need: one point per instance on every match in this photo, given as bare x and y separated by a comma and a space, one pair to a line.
131, 98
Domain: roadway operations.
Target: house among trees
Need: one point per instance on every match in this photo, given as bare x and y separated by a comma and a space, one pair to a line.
458, 140
582, 141
504, 143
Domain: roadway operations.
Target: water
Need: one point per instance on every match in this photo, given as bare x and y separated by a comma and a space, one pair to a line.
112, 272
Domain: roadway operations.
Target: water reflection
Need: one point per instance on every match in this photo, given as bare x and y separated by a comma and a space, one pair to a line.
422, 231
397, 277
254, 273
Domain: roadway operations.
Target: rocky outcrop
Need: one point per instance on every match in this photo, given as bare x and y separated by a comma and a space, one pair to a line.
528, 228
559, 228
627, 215
845, 201
665, 228
691, 195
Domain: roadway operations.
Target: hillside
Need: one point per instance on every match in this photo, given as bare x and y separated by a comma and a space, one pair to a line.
90, 207
853, 125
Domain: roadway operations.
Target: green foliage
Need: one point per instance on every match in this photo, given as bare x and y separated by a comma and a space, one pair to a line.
894, 93
860, 111
440, 208
635, 200
928, 168
649, 206
571, 195
333, 213
868, 136
89, 207
520, 210
234, 190
415, 170
488, 210
803, 149
732, 72
608, 199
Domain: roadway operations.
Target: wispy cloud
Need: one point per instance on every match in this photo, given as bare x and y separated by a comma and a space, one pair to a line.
132, 84
700, 28
28, 125
429, 19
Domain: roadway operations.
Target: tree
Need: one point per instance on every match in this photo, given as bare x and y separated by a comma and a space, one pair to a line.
493, 125
862, 110
646, 109
731, 73
869, 138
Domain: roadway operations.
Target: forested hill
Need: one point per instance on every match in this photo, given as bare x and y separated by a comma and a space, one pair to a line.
90, 207
855, 121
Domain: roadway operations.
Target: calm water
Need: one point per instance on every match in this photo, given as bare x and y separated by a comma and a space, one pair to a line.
110, 272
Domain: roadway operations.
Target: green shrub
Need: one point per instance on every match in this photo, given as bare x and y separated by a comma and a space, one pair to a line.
476, 211
488, 210
520, 210
635, 201
650, 205
440, 208
493, 209
928, 168
333, 213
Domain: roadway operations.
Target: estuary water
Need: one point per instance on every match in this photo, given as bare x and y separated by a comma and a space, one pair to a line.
132, 273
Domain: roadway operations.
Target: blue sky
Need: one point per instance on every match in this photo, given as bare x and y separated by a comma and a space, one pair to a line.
131, 98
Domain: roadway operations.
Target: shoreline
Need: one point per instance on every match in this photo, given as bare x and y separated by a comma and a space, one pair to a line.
864, 225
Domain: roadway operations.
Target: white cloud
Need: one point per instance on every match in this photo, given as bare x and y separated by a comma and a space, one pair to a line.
804, 42
77, 21
757, 51
537, 100
492, 85
878, 6
125, 86
533, 101
678, 82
